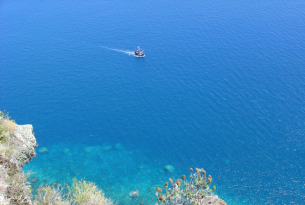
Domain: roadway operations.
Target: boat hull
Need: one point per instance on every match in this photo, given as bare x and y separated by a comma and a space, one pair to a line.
139, 56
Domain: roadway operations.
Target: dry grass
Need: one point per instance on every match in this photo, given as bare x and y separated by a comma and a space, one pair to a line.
87, 193
7, 127
16, 192
79, 193
47, 195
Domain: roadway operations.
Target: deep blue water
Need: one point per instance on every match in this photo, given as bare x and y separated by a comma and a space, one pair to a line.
222, 87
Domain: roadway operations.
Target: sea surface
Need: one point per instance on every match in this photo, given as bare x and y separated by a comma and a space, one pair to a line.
222, 87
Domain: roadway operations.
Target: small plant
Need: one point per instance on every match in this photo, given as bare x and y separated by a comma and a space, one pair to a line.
192, 192
7, 127
87, 193
50, 195
15, 191
79, 193
6, 153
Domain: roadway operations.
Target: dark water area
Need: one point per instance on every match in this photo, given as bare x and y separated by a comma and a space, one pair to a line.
221, 88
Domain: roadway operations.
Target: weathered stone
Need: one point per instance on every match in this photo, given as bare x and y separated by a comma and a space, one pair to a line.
213, 200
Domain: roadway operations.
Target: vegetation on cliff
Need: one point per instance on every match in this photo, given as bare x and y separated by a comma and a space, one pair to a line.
195, 191
17, 143
7, 128
13, 183
79, 193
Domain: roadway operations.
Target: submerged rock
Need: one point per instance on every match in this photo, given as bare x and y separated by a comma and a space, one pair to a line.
169, 168
134, 194
107, 147
118, 146
34, 179
88, 149
66, 150
43, 150
141, 166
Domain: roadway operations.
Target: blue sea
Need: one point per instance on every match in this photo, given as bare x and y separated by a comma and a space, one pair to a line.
222, 87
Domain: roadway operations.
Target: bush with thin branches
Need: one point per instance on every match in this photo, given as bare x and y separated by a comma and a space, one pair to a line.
7, 127
196, 191
79, 193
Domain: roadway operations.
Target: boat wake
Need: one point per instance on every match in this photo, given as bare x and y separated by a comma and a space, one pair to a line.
131, 53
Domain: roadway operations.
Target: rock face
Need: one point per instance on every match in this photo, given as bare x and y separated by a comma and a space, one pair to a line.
26, 144
212, 200
19, 150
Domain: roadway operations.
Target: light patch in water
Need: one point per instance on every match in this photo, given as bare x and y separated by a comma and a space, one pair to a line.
128, 52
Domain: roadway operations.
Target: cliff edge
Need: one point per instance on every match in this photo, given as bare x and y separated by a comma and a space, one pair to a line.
17, 147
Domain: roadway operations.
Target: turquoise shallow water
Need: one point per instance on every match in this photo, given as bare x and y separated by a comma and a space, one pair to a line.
221, 87
116, 170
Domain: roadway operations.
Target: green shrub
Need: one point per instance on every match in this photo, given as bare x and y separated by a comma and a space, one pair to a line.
87, 193
186, 192
17, 183
79, 193
7, 127
50, 195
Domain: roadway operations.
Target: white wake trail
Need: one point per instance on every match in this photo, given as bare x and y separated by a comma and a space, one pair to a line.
119, 50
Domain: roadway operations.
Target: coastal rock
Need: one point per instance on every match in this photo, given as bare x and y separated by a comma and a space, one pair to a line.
11, 165
169, 168
3, 185
213, 200
25, 143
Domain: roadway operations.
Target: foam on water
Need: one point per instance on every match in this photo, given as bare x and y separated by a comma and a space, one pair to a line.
120, 50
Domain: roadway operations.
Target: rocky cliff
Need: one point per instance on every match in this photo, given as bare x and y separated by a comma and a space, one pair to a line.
18, 149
